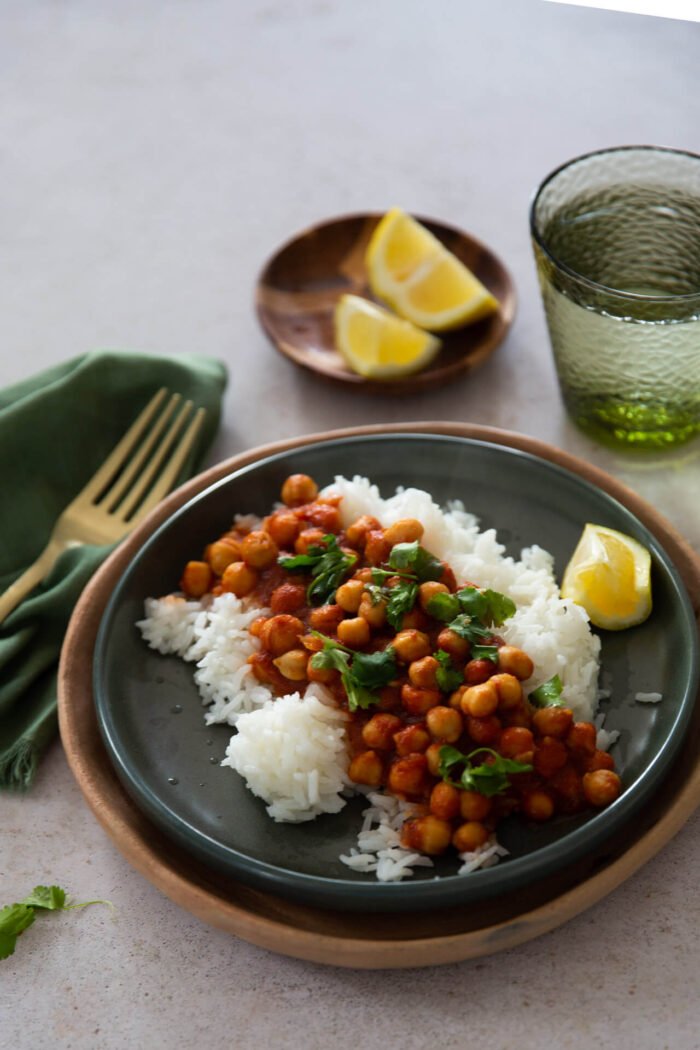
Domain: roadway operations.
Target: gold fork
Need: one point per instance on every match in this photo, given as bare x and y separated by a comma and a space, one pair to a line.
137, 474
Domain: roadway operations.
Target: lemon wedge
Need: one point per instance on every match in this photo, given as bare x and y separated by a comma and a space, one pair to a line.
610, 576
420, 279
378, 345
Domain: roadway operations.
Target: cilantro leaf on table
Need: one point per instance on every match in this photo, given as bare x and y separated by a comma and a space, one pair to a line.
327, 564
15, 918
487, 778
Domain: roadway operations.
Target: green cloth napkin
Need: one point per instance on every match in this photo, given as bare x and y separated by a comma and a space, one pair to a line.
55, 430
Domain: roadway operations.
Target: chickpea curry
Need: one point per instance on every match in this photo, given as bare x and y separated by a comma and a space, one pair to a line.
437, 711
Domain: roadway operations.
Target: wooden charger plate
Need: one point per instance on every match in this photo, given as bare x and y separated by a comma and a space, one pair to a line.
299, 286
351, 939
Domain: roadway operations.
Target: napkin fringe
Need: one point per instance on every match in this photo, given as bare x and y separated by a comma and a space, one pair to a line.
18, 765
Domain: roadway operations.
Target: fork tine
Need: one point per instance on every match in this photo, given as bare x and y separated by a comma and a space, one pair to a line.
129, 504
113, 495
121, 450
174, 465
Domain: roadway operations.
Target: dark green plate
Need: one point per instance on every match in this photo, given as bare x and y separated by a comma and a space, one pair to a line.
151, 716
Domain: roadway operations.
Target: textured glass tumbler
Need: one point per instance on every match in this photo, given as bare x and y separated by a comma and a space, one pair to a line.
616, 237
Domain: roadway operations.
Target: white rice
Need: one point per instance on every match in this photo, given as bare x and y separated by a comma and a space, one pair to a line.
292, 751
648, 698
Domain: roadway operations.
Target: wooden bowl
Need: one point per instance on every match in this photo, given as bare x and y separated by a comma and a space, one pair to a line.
344, 938
299, 286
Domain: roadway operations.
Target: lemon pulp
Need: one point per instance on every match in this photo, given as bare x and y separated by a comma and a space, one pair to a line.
609, 574
378, 345
420, 279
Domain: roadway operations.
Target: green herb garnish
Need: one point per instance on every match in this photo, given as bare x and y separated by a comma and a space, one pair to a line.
447, 675
485, 652
417, 560
362, 674
469, 628
548, 694
443, 606
15, 918
328, 565
400, 600
489, 778
490, 607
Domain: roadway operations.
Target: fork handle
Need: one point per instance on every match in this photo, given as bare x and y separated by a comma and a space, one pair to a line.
30, 578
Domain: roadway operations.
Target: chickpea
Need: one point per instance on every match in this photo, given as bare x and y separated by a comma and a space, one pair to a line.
553, 721
390, 698
516, 741
478, 671
432, 756
568, 787
259, 550
365, 575
374, 613
601, 787
448, 577
480, 701
419, 701
444, 801
582, 738
378, 733
239, 579
408, 776
598, 760
423, 672
486, 731
288, 597
377, 548
444, 723
356, 534
538, 805
263, 667
428, 590
256, 626
415, 620
470, 836
323, 515
426, 834
455, 699
366, 768
509, 689
473, 806
292, 664
354, 633
221, 553
452, 643
281, 633
284, 527
308, 538
196, 579
411, 645
326, 618
413, 739
299, 488
325, 675
349, 595
550, 756
514, 661
406, 530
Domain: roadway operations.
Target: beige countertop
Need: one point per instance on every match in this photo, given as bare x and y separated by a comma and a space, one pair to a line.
153, 156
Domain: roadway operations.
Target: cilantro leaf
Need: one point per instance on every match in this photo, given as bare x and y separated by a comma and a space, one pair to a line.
469, 628
447, 675
329, 566
485, 652
362, 677
548, 694
375, 670
490, 607
13, 920
52, 898
417, 559
443, 606
488, 778
400, 600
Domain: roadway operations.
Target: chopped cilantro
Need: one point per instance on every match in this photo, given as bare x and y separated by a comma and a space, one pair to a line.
328, 565
490, 607
416, 559
362, 674
489, 778
548, 694
15, 918
447, 675
443, 606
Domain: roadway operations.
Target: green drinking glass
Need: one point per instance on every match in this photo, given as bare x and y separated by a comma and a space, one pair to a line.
616, 237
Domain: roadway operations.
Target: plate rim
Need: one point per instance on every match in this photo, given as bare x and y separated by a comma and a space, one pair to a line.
449, 889
419, 381
299, 932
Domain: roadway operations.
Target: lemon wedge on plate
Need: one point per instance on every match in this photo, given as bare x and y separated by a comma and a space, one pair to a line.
378, 345
420, 279
610, 576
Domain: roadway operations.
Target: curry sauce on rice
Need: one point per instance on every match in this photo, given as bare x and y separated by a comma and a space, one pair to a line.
390, 647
